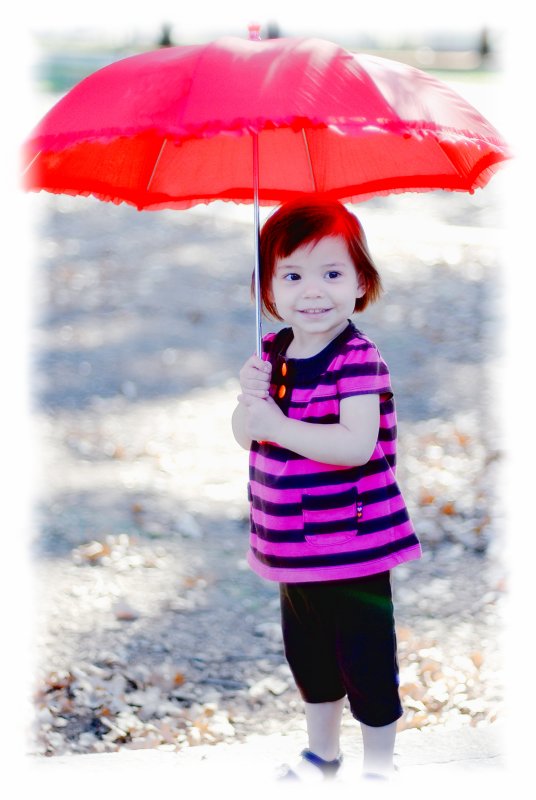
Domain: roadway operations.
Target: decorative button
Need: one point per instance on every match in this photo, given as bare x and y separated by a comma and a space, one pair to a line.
284, 368
282, 392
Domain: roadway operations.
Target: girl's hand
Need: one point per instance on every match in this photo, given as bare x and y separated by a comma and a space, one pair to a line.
263, 418
255, 377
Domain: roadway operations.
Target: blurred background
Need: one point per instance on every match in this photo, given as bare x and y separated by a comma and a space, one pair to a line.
65, 53
149, 629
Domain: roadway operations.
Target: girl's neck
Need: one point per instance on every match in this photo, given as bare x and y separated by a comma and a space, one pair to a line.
308, 346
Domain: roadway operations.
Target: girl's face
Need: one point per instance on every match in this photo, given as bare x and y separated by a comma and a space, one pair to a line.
314, 290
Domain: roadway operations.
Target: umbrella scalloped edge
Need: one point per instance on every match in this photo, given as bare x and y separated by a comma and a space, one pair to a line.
418, 129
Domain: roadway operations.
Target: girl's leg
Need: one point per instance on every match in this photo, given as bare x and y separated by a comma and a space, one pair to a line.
323, 727
310, 652
368, 660
378, 746
323, 730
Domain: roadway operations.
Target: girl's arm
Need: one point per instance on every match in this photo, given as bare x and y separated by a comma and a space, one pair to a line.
238, 422
255, 383
349, 442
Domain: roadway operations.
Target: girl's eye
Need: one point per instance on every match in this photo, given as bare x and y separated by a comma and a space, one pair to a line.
292, 276
333, 273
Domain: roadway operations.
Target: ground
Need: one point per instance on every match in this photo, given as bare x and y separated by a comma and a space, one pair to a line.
150, 629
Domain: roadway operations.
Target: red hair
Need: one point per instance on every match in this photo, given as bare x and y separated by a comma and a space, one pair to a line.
304, 221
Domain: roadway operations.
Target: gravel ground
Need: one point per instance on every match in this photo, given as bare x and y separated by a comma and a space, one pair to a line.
150, 630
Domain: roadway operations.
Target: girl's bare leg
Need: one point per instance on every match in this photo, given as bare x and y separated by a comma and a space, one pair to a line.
378, 746
323, 729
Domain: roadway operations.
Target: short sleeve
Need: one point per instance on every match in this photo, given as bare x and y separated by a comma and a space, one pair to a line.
363, 371
267, 345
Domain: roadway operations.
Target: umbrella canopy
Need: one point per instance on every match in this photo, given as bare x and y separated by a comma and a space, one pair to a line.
261, 122
173, 127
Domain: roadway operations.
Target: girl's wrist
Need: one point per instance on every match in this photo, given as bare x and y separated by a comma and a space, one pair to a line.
283, 430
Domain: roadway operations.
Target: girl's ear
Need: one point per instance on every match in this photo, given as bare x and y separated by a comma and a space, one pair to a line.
360, 289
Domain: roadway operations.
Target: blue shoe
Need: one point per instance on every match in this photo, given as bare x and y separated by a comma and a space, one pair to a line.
328, 768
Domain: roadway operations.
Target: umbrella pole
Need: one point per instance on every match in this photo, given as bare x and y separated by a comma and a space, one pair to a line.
257, 272
254, 35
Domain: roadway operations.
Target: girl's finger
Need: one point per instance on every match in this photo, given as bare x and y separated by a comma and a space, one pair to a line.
255, 384
254, 377
260, 365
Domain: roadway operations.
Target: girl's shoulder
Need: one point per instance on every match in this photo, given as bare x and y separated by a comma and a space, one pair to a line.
360, 368
356, 335
268, 342
359, 352
357, 341
275, 341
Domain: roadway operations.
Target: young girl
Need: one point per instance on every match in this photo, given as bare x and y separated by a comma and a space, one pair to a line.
328, 521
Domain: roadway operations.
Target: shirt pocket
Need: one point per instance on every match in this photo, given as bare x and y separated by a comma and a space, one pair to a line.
330, 518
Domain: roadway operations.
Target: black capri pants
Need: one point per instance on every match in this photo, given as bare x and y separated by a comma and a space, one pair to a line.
340, 639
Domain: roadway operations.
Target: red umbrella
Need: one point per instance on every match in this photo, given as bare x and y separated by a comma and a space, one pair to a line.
261, 122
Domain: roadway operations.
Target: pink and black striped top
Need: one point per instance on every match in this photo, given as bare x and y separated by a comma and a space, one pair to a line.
312, 521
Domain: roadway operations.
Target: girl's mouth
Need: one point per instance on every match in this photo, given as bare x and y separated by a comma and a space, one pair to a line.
313, 311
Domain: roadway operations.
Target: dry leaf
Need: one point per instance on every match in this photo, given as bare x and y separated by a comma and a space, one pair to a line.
403, 635
417, 691
58, 680
477, 658
426, 498
124, 612
416, 705
462, 438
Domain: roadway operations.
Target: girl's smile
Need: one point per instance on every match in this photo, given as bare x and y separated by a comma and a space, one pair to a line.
314, 290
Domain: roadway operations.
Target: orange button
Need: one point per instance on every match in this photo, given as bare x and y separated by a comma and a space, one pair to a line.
284, 369
282, 392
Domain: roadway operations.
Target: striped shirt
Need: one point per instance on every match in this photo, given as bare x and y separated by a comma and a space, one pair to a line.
312, 521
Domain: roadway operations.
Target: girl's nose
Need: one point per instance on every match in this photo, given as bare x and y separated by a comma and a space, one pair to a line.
311, 289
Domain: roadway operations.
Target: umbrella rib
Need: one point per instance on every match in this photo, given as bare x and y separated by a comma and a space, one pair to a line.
156, 163
32, 162
309, 160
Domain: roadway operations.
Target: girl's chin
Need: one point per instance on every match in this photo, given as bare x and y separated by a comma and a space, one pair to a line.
319, 325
